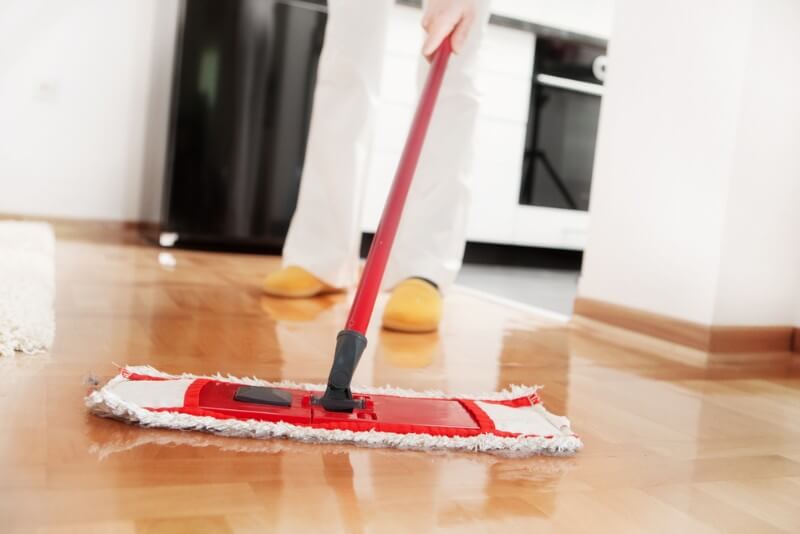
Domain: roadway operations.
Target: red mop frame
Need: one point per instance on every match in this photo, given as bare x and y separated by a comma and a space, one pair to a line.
193, 405
368, 287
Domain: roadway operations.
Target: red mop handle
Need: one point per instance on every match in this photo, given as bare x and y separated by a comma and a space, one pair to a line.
370, 283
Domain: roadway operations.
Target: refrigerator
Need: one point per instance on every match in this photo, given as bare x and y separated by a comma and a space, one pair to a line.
242, 95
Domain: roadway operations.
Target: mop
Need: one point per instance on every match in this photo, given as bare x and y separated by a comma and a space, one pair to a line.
512, 422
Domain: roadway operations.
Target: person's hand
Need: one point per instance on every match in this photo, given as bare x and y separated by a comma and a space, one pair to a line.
444, 16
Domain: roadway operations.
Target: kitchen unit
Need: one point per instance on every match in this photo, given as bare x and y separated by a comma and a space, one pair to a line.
242, 98
541, 91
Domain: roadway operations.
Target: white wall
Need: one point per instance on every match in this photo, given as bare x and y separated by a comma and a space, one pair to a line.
760, 255
693, 210
797, 301
84, 94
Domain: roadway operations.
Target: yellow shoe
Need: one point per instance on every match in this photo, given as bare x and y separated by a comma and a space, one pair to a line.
294, 282
415, 306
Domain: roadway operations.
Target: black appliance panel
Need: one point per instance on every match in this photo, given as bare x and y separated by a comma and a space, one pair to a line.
242, 102
562, 124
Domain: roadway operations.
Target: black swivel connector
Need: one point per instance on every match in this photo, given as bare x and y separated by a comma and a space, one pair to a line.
350, 346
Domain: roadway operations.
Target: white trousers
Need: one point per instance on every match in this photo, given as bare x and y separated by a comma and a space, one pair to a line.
325, 234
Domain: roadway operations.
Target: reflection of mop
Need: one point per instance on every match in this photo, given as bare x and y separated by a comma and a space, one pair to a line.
512, 421
125, 439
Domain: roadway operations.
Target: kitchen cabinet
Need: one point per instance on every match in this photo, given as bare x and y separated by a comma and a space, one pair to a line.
506, 63
241, 106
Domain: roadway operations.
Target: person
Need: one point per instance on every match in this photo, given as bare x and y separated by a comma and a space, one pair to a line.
322, 246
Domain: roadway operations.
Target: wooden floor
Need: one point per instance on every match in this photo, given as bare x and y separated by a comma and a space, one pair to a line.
675, 441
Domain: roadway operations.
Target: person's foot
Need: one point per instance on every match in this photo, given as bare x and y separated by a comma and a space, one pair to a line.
294, 282
415, 306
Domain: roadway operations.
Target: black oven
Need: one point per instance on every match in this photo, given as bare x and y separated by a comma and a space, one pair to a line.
562, 123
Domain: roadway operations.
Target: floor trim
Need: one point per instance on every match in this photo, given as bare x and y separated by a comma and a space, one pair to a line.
668, 328
751, 339
716, 339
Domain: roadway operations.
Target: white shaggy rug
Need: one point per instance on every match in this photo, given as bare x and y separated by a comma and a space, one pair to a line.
27, 287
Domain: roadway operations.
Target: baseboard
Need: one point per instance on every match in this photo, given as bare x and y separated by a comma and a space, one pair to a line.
715, 339
667, 328
751, 339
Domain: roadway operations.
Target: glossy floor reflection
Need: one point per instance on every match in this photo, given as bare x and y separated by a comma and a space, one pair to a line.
675, 441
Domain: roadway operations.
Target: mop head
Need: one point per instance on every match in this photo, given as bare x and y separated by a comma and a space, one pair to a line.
512, 422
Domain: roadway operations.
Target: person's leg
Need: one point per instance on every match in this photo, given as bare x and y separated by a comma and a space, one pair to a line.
432, 234
325, 233
430, 240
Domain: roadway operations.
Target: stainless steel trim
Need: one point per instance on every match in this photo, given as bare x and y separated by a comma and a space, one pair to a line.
570, 85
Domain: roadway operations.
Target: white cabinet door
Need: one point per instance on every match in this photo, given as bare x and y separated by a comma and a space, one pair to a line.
504, 79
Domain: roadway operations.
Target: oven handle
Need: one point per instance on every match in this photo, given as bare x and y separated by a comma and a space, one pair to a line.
571, 85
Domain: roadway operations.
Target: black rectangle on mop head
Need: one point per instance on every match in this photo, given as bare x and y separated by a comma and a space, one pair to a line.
263, 395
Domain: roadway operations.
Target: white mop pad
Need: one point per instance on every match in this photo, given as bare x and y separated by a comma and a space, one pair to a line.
27, 287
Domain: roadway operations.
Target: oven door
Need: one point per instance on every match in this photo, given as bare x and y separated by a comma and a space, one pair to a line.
559, 155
